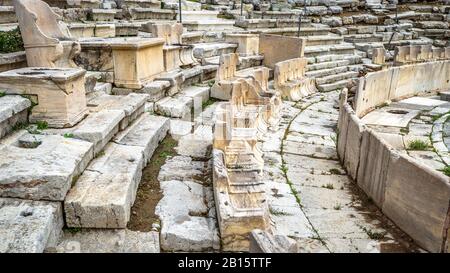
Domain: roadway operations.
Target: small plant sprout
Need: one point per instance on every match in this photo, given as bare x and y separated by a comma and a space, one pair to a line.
418, 145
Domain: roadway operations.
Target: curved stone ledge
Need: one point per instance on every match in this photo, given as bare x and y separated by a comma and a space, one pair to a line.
413, 195
400, 82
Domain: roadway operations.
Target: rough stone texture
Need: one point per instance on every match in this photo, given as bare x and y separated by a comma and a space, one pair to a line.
181, 168
45, 172
104, 193
198, 144
99, 128
419, 213
185, 228
29, 226
146, 132
107, 241
179, 128
373, 165
13, 110
60, 93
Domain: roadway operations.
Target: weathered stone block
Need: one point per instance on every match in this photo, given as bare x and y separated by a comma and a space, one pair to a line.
103, 195
60, 92
45, 172
417, 200
138, 52
29, 226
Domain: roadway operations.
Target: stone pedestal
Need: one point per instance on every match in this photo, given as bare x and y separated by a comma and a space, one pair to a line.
248, 44
60, 93
137, 61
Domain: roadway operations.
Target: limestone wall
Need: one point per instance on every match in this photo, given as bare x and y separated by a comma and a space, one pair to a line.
399, 82
414, 196
277, 48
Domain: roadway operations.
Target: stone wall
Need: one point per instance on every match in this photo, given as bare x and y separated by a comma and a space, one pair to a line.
400, 82
278, 48
414, 196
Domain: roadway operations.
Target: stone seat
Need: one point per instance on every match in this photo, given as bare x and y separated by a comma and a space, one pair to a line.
227, 74
241, 206
46, 38
290, 80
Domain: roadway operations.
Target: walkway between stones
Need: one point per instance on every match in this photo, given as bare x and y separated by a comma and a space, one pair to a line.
311, 198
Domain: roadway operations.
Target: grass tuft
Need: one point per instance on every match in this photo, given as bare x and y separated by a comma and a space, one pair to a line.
418, 145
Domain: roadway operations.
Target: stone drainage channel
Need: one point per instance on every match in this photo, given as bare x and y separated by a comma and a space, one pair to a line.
175, 197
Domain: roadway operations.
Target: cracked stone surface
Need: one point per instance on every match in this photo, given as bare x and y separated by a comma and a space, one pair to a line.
107, 241
311, 198
424, 121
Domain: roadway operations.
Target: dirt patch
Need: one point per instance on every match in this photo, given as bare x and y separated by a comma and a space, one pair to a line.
149, 192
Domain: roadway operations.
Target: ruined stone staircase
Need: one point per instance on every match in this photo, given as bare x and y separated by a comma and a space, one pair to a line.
331, 61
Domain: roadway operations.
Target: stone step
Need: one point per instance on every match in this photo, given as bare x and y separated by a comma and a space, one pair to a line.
154, 14
107, 241
13, 112
207, 50
293, 31
192, 37
333, 58
271, 23
98, 128
197, 144
198, 15
209, 25
244, 62
326, 72
182, 104
12, 60
103, 195
319, 50
7, 15
110, 114
333, 86
29, 226
336, 77
139, 4
364, 38
45, 166
323, 40
132, 105
432, 25
145, 132
445, 95
326, 65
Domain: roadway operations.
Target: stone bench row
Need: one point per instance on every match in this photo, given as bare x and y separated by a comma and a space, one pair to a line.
414, 196
419, 53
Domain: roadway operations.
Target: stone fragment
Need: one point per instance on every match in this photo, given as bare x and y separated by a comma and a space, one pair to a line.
29, 226
45, 172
